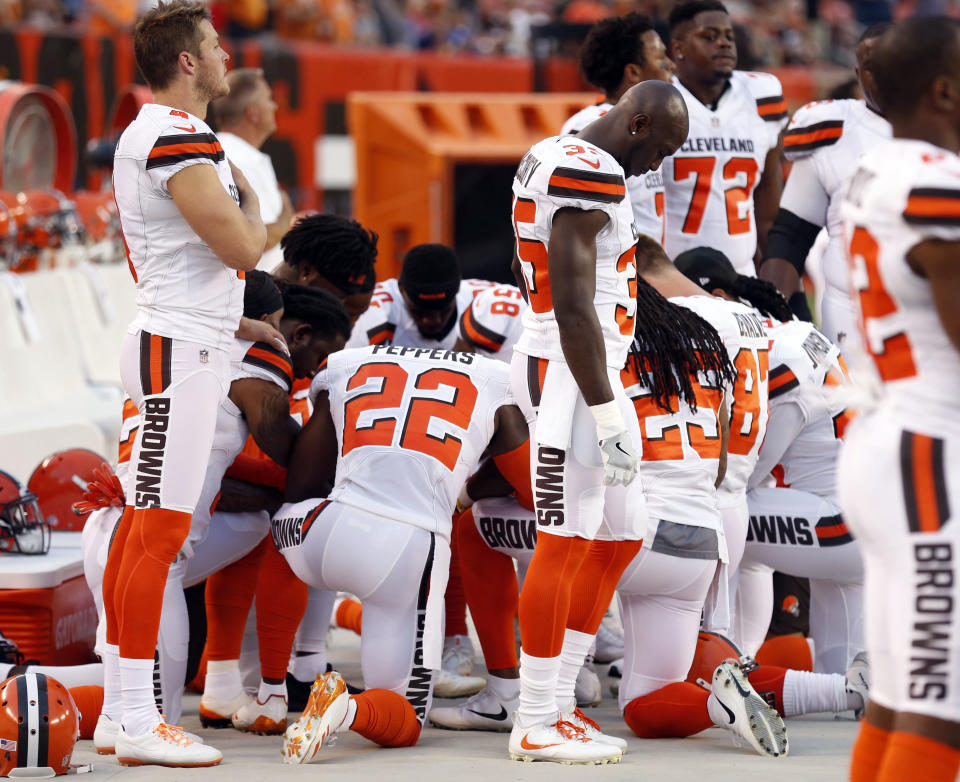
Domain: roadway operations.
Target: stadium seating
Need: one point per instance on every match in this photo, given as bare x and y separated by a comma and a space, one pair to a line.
60, 380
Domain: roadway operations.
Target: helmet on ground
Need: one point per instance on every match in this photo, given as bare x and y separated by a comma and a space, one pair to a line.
22, 526
712, 649
39, 725
61, 480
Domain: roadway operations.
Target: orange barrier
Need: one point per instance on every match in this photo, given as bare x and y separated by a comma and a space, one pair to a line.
438, 168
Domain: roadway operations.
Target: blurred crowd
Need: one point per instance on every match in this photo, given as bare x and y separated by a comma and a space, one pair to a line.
772, 32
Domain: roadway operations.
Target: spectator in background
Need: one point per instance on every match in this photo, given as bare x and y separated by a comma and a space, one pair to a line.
245, 120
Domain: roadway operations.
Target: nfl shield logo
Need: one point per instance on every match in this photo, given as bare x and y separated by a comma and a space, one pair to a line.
204, 356
715, 122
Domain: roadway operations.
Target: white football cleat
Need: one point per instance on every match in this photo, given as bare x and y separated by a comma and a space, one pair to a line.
858, 680
560, 742
215, 713
587, 689
592, 730
324, 715
452, 685
458, 655
735, 706
164, 745
268, 718
105, 735
484, 711
609, 639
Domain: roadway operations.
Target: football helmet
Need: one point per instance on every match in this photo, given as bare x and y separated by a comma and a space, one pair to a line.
98, 211
39, 725
22, 526
712, 649
13, 216
53, 227
61, 480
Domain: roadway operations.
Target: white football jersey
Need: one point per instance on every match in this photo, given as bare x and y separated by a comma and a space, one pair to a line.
493, 322
748, 345
388, 322
562, 173
680, 451
184, 291
411, 426
888, 210
806, 370
247, 360
646, 191
709, 181
825, 139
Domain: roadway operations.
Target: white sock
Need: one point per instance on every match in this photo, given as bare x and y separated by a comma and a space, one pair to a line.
112, 697
351, 714
505, 689
223, 680
812, 693
266, 690
576, 646
538, 690
305, 667
139, 707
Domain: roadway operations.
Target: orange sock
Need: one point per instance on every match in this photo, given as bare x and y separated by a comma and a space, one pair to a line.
455, 600
89, 700
155, 538
386, 718
767, 680
674, 711
597, 580
281, 604
228, 597
350, 615
112, 571
910, 756
868, 752
490, 583
545, 599
786, 651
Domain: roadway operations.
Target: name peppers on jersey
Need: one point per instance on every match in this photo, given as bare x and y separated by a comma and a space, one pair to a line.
710, 181
557, 173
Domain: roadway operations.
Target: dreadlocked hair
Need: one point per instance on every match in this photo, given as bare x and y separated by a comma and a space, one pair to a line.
320, 309
341, 250
761, 295
671, 345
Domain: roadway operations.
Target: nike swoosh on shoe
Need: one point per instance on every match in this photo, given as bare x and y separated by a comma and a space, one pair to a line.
499, 717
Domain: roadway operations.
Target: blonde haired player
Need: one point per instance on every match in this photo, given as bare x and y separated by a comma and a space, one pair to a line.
192, 228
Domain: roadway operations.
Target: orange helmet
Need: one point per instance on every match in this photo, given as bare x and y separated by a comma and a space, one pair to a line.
101, 221
53, 220
13, 215
22, 526
60, 480
39, 724
712, 649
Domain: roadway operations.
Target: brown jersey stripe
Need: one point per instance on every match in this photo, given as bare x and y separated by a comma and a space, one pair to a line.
382, 333
278, 365
780, 380
924, 482
821, 134
479, 334
185, 138
832, 531
772, 108
591, 189
931, 205
536, 373
312, 517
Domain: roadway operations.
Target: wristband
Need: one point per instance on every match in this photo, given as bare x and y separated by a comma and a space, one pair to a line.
608, 418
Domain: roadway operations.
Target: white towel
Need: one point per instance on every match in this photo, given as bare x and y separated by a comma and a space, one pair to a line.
557, 403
